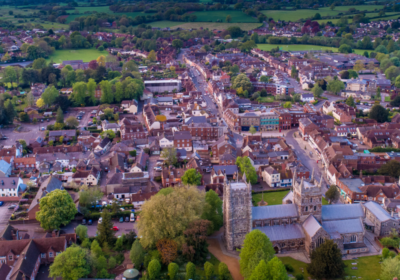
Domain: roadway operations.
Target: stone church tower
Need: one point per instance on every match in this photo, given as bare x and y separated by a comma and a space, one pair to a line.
237, 207
307, 195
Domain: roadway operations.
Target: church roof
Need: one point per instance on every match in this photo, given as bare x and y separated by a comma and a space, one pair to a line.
311, 225
341, 211
378, 211
282, 232
274, 212
343, 226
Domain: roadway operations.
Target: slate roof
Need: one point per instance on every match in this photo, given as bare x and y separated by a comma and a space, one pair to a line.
274, 211
283, 232
229, 169
343, 226
341, 211
378, 211
311, 225
4, 166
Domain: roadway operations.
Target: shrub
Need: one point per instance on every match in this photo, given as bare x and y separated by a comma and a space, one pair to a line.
299, 276
289, 268
385, 253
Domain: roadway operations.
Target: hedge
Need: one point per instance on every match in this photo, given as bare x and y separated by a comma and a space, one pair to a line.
97, 215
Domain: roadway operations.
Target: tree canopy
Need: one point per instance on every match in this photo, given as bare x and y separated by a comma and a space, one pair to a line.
378, 113
191, 177
55, 209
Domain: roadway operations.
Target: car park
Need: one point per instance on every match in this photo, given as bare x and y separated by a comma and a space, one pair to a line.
100, 220
115, 228
90, 222
84, 222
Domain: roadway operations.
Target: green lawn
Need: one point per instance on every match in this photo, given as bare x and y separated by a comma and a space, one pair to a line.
83, 54
237, 16
217, 25
369, 267
308, 13
267, 99
387, 98
164, 23
272, 198
297, 266
268, 47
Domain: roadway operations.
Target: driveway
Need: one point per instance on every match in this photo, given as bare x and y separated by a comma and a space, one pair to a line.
124, 227
5, 214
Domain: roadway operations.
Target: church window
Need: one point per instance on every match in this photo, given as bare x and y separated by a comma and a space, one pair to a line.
236, 201
306, 209
320, 241
242, 200
315, 208
310, 199
353, 239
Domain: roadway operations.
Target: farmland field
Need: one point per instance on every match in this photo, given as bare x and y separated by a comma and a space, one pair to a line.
268, 47
217, 25
82, 54
308, 13
164, 23
237, 16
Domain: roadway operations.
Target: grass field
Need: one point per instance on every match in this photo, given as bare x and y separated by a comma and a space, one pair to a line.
267, 99
165, 23
368, 268
307, 13
217, 25
272, 198
268, 47
84, 54
237, 16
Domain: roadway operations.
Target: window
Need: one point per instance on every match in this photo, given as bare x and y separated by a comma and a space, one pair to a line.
50, 254
353, 239
315, 208
10, 257
43, 255
306, 209
320, 241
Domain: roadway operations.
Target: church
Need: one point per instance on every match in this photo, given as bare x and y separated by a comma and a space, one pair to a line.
301, 223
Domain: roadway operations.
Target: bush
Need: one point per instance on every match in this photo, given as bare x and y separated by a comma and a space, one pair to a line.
389, 242
385, 253
132, 153
289, 268
157, 179
299, 276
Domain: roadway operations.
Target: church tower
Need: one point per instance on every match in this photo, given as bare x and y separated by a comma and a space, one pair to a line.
307, 195
237, 206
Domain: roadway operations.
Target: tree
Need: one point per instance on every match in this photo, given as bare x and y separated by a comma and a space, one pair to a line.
105, 232
252, 130
152, 55
344, 48
277, 269
55, 209
378, 113
168, 216
396, 101
72, 122
234, 31
294, 72
261, 272
392, 72
168, 250
228, 18
247, 168
213, 210
223, 271
170, 156
59, 116
72, 264
173, 270
40, 103
79, 92
89, 196
101, 60
335, 85
119, 92
287, 105
39, 63
91, 88
350, 101
23, 117
332, 194
209, 270
190, 271
317, 90
106, 95
81, 232
93, 64
326, 261
191, 177
358, 66
49, 95
154, 269
255, 240
391, 168
177, 44
390, 269
242, 81
137, 254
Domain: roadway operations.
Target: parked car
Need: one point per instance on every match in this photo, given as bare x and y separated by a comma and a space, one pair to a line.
42, 128
12, 206
1, 203
100, 220
90, 222
157, 168
115, 228
104, 203
121, 220
84, 222
132, 218
126, 219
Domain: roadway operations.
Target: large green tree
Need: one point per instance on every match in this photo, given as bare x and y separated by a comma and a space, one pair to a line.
170, 156
191, 177
137, 254
326, 261
55, 209
350, 101
260, 272
391, 168
60, 116
213, 210
317, 90
72, 264
378, 113
335, 85
105, 232
154, 269
79, 93
107, 94
242, 81
247, 168
168, 216
50, 95
255, 240
390, 269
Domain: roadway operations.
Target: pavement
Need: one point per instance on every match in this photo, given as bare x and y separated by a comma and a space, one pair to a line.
5, 214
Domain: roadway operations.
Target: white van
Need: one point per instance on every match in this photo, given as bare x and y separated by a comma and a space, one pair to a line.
132, 219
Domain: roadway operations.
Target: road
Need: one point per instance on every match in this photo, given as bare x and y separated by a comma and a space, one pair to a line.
330, 99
